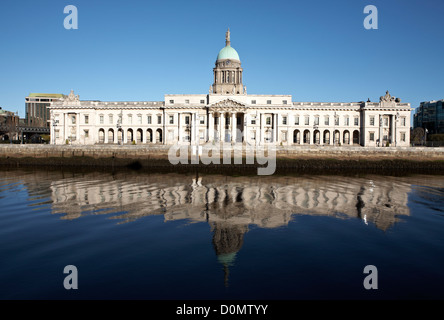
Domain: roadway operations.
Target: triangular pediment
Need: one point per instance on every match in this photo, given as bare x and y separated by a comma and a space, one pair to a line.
228, 104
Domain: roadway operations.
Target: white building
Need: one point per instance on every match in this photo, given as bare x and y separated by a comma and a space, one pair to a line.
227, 113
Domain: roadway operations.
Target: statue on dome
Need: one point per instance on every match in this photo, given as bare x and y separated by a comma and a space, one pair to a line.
227, 37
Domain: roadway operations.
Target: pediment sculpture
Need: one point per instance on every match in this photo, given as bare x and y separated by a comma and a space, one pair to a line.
387, 98
229, 105
71, 99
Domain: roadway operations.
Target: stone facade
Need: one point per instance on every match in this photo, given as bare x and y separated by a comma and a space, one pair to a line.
228, 114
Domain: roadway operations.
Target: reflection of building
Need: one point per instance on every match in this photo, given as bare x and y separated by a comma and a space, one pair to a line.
228, 204
227, 113
266, 203
36, 108
430, 115
231, 204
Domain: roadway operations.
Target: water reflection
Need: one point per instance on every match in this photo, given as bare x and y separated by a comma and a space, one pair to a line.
228, 204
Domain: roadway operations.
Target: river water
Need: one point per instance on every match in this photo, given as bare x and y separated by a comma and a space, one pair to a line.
172, 236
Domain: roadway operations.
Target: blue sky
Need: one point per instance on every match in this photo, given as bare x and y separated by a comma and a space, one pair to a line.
140, 50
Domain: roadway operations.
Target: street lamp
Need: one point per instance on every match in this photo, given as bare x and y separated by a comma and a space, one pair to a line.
54, 125
119, 126
426, 131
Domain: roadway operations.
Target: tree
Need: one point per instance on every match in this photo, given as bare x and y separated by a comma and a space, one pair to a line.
418, 135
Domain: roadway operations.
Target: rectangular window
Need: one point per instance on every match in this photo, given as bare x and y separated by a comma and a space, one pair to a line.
268, 120
57, 134
372, 136
187, 119
101, 119
284, 101
327, 121
86, 119
316, 121
253, 101
372, 121
356, 121
171, 119
268, 101
148, 118
119, 120
130, 119
253, 121
284, 136
296, 120
403, 136
187, 101
202, 101
403, 121
139, 119
284, 120
347, 121
159, 119
202, 135
86, 132
202, 120
386, 122
307, 120
171, 101
337, 121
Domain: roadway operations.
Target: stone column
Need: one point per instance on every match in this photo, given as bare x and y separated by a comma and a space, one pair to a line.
193, 128
51, 130
233, 127
381, 130
261, 131
222, 127
65, 128
106, 135
197, 133
210, 127
245, 127
164, 127
275, 123
125, 135
179, 128
392, 129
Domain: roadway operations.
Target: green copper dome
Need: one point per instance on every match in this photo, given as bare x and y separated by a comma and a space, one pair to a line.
228, 53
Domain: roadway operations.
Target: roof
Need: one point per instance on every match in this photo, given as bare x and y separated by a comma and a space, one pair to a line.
228, 53
46, 95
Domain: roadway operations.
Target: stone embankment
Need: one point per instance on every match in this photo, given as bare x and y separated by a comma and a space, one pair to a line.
323, 159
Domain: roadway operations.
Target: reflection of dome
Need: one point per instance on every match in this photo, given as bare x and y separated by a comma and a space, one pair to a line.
227, 259
228, 53
227, 241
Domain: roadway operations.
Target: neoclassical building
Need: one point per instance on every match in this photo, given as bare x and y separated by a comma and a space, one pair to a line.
228, 114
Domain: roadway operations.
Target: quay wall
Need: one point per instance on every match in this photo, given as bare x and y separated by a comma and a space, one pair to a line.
298, 158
